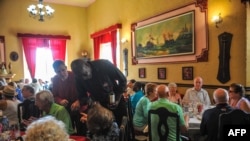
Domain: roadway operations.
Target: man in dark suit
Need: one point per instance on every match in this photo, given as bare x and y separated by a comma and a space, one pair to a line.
210, 118
99, 79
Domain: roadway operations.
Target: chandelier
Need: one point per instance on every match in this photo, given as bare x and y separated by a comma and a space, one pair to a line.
40, 10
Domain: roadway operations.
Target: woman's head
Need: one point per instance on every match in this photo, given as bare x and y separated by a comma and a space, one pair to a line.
236, 89
137, 86
46, 129
150, 90
172, 88
99, 120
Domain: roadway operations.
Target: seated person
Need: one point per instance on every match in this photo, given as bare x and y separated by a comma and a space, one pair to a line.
19, 95
45, 102
28, 108
35, 85
100, 123
137, 96
46, 129
130, 86
140, 118
197, 94
237, 99
173, 95
210, 118
9, 104
172, 107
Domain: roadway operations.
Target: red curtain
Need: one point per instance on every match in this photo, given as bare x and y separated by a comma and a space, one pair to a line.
114, 45
29, 46
31, 42
58, 48
104, 36
98, 41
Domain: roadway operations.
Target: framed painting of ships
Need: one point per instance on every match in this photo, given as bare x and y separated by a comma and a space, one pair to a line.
179, 35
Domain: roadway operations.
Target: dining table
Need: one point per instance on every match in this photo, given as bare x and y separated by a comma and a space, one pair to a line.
78, 138
194, 128
194, 125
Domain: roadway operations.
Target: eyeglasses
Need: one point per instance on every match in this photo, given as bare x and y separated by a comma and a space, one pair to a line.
231, 91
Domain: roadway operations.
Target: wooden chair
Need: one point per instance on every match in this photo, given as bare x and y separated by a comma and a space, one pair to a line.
130, 119
132, 135
234, 117
124, 130
27, 110
158, 122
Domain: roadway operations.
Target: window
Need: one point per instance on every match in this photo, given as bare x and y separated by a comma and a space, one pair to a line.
106, 51
104, 38
40, 51
44, 61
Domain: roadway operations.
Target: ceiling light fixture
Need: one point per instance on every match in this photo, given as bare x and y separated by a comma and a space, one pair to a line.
40, 10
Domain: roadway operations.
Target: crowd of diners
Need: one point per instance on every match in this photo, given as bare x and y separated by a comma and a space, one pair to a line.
79, 102
225, 101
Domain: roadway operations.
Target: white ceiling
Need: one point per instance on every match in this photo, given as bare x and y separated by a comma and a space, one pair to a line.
80, 3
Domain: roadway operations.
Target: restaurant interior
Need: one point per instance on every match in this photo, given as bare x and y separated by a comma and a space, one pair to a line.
219, 46
81, 22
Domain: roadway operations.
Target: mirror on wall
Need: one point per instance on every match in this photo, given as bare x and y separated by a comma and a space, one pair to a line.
2, 50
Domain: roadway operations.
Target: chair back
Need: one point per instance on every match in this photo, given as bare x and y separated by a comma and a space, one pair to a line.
124, 130
26, 110
161, 126
19, 114
130, 119
234, 117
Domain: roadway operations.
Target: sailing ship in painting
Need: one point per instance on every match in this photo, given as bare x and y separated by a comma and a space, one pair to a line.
181, 45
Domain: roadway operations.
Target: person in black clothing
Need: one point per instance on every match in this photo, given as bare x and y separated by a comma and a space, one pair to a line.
99, 79
210, 118
29, 110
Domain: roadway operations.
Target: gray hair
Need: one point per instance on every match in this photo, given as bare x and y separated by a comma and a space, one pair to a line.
46, 129
172, 84
220, 95
45, 95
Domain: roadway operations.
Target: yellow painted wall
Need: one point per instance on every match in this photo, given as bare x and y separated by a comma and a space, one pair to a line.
68, 20
104, 13
79, 23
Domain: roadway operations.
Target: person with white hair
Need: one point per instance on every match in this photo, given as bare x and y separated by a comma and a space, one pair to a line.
173, 94
197, 94
45, 102
47, 128
210, 119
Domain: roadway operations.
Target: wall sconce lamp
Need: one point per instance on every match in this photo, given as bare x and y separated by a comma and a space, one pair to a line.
217, 20
84, 53
124, 40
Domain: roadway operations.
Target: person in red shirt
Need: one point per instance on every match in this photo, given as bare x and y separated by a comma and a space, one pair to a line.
65, 94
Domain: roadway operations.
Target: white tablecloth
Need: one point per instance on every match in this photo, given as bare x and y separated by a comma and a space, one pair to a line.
194, 122
194, 128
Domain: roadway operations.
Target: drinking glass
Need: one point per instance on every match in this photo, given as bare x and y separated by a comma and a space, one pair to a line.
14, 131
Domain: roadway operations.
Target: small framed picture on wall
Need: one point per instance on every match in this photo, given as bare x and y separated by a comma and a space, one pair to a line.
142, 73
162, 73
187, 73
